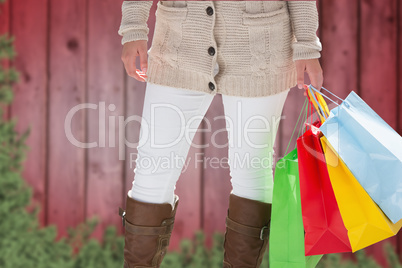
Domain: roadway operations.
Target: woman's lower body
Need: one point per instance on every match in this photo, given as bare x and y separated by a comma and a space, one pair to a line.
170, 119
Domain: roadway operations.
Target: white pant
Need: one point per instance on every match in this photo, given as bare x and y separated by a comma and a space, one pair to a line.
170, 119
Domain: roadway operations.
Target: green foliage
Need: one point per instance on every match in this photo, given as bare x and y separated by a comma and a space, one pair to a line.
22, 243
6, 48
8, 76
393, 259
362, 260
335, 260
94, 254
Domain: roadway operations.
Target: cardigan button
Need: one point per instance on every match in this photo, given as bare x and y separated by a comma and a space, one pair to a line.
210, 11
211, 86
211, 51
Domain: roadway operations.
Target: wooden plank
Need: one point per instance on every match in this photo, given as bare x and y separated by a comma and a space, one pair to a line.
134, 102
216, 186
291, 111
67, 70
4, 29
4, 17
29, 24
378, 39
399, 105
378, 47
339, 31
135, 92
105, 89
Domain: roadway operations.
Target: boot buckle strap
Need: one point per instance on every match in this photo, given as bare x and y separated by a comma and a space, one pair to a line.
122, 213
261, 233
167, 226
264, 233
148, 230
168, 222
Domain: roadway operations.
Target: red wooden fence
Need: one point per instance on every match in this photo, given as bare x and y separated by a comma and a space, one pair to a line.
69, 54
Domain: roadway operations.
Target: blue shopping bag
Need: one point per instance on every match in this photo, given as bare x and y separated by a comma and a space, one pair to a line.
371, 149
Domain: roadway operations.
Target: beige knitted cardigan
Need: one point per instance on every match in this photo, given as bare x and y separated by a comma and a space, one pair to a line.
254, 43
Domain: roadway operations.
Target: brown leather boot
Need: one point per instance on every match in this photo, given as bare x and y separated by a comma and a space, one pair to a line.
148, 228
247, 231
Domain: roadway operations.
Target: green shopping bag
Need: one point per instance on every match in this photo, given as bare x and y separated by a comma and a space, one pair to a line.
286, 239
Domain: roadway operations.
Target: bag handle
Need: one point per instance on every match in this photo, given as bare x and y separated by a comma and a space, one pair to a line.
322, 94
318, 104
304, 111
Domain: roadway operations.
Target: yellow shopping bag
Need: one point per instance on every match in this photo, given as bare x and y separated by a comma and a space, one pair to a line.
364, 220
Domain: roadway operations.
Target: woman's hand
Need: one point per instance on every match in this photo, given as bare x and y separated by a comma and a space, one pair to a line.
130, 52
314, 71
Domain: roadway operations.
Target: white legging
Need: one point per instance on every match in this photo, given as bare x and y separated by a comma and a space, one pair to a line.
169, 121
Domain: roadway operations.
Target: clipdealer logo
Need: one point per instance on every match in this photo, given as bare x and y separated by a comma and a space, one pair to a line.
240, 130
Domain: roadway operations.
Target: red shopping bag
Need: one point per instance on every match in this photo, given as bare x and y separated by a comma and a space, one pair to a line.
323, 224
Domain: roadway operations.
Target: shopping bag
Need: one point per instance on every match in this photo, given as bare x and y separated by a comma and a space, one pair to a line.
286, 239
322, 220
364, 220
371, 150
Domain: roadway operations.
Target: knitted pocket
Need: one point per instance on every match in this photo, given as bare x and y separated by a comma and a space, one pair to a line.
167, 34
269, 36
